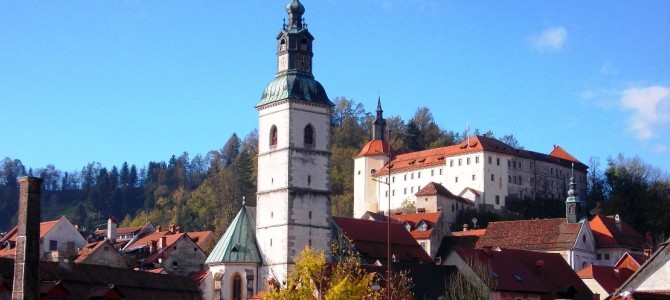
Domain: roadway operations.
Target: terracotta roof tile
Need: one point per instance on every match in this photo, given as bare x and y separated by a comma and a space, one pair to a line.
414, 219
477, 143
561, 153
609, 278
606, 233
538, 234
369, 238
374, 147
433, 188
474, 232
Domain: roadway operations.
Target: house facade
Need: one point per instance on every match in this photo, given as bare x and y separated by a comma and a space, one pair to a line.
615, 238
59, 241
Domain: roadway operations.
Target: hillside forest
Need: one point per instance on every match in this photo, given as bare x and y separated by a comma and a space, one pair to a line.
205, 191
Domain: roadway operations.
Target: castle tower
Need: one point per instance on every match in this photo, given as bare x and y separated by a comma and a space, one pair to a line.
293, 204
373, 157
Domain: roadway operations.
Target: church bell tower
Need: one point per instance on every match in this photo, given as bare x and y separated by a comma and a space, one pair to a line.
293, 198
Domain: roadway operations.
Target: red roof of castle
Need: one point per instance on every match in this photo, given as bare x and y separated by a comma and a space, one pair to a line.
476, 143
375, 147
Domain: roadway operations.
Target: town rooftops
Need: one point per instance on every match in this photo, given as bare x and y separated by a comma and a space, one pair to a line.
10, 238
369, 239
238, 243
476, 143
539, 234
420, 225
608, 234
609, 278
89, 280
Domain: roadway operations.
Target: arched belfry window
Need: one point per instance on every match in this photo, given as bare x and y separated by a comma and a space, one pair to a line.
236, 288
273, 136
309, 135
282, 44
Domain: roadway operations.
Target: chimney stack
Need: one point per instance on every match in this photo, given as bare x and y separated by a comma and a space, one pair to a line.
112, 224
465, 227
26, 263
617, 222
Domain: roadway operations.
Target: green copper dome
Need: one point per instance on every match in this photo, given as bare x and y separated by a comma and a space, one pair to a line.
294, 87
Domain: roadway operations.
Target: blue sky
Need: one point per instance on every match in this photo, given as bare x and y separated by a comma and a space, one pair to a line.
139, 81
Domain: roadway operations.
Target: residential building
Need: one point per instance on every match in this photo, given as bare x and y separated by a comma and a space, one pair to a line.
651, 280
434, 197
614, 238
59, 241
603, 280
428, 229
101, 253
519, 274
369, 238
633, 261
482, 169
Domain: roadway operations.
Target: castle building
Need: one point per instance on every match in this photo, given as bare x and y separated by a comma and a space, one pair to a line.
293, 198
481, 169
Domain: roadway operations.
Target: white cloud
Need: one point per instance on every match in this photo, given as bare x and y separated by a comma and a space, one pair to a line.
660, 149
650, 108
551, 39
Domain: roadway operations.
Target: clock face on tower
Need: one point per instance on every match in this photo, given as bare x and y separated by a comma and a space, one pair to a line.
283, 62
302, 63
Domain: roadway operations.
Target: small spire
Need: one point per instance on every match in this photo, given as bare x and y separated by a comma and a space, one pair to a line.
379, 125
295, 11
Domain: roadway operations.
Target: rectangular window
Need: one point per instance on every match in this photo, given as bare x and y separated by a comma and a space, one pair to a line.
497, 200
53, 245
432, 172
497, 161
418, 175
386, 194
509, 178
393, 179
412, 190
405, 176
393, 193
440, 171
405, 190
451, 162
456, 178
509, 163
493, 178
489, 160
412, 176
473, 177
520, 180
607, 256
599, 256
476, 159
467, 161
460, 161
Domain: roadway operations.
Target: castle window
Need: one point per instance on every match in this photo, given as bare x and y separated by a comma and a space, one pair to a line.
489, 160
498, 161
273, 136
309, 136
456, 178
460, 161
418, 175
309, 180
497, 200
432, 172
467, 161
493, 178
473, 177
451, 162
237, 287
440, 171
476, 159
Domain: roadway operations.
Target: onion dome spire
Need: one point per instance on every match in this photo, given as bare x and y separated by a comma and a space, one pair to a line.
295, 11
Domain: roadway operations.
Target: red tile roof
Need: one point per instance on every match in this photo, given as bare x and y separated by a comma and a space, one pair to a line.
607, 234
477, 143
414, 219
120, 231
375, 147
504, 271
474, 232
631, 261
538, 234
201, 238
10, 237
609, 278
561, 153
434, 188
369, 238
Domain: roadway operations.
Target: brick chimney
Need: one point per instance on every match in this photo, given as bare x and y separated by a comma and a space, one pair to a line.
617, 222
26, 263
112, 224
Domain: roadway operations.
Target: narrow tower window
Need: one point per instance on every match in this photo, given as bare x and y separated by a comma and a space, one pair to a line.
273, 136
237, 287
309, 135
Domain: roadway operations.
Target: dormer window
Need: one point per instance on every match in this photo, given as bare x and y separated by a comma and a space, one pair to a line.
422, 226
408, 227
273, 136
